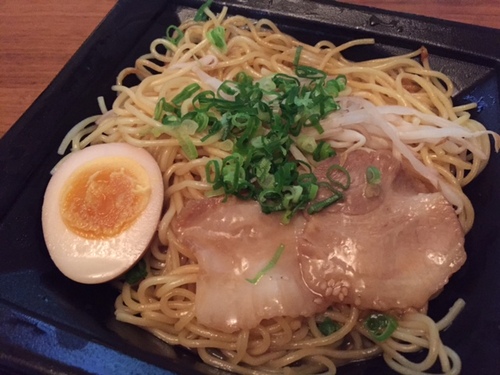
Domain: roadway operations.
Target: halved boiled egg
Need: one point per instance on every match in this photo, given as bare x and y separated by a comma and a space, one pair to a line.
100, 211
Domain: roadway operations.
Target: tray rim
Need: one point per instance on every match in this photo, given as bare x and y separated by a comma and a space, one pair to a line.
9, 139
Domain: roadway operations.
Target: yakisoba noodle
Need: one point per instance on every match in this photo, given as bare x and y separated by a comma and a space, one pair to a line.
404, 90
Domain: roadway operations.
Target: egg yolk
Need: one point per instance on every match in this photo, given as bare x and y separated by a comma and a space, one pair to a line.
105, 197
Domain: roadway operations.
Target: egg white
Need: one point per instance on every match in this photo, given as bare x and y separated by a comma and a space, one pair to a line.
94, 261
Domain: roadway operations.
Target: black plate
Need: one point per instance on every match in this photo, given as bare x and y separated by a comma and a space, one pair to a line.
49, 324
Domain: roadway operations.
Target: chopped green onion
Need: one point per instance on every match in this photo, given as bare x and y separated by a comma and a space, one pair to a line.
334, 86
270, 200
292, 196
313, 120
373, 175
306, 143
185, 94
307, 178
171, 30
309, 72
267, 85
328, 326
170, 120
199, 117
321, 205
187, 145
336, 167
381, 326
137, 273
259, 121
269, 266
323, 151
229, 88
285, 83
296, 60
200, 14
163, 108
212, 165
159, 109
204, 100
217, 37
263, 173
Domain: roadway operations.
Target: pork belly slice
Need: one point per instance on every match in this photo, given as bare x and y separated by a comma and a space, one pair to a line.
390, 250
232, 242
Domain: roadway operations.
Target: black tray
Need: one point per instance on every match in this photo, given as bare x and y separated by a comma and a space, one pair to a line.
49, 324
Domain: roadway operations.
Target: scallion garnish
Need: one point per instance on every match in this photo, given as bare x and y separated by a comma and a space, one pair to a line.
381, 326
328, 326
296, 59
373, 175
334, 86
318, 206
306, 143
323, 151
200, 14
137, 273
309, 72
174, 34
163, 109
262, 120
185, 94
269, 266
217, 37
187, 145
157, 115
337, 183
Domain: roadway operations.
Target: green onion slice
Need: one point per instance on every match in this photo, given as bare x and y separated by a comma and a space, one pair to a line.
159, 109
321, 205
323, 151
296, 60
328, 326
200, 14
185, 94
373, 175
187, 145
381, 326
303, 71
337, 167
306, 143
137, 273
213, 165
269, 266
173, 30
217, 37
334, 86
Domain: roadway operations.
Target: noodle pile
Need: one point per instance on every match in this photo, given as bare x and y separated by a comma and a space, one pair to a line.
414, 115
